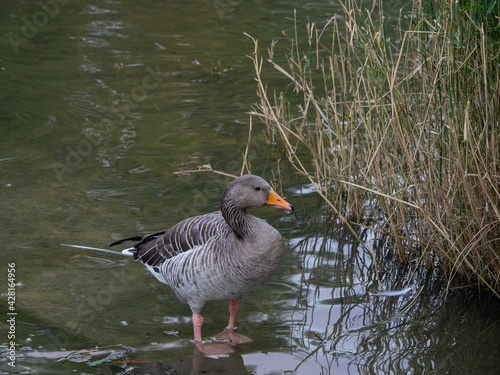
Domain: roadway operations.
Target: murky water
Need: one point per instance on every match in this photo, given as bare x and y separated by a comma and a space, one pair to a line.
101, 102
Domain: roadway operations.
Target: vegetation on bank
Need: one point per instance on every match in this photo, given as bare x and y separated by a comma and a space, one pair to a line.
400, 133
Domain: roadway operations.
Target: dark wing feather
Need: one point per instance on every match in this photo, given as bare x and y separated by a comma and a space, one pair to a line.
135, 238
155, 248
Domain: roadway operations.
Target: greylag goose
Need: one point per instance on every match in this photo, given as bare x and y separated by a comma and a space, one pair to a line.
220, 255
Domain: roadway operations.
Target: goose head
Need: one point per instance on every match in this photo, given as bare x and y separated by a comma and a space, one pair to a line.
252, 191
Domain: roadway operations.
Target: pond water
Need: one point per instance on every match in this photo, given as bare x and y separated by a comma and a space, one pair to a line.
101, 102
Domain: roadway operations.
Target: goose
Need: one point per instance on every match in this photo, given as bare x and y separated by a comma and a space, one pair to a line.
219, 255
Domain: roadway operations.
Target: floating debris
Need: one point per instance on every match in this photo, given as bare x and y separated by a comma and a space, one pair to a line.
390, 293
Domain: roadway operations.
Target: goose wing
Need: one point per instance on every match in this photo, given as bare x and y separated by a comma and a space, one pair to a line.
155, 248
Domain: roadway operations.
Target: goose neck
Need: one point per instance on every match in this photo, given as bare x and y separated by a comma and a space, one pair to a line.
237, 218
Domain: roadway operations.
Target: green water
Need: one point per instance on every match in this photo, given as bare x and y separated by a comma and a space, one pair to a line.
100, 103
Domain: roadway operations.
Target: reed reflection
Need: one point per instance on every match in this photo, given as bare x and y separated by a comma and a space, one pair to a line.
385, 317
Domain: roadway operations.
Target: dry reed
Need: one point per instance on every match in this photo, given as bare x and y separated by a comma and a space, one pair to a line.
402, 134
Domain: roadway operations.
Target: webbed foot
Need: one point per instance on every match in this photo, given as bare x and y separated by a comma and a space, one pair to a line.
228, 334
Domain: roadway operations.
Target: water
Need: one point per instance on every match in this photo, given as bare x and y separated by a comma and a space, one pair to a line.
101, 103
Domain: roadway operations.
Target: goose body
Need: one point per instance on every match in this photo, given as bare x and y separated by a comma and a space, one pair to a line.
220, 255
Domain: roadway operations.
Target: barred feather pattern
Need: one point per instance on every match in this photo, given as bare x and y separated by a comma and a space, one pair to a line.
155, 248
222, 269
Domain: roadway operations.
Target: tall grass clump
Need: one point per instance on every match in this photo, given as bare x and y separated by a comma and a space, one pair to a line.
400, 132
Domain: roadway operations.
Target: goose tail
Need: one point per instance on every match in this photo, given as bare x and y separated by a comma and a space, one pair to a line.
129, 252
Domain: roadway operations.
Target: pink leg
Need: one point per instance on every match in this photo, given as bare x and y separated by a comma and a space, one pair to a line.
197, 323
233, 310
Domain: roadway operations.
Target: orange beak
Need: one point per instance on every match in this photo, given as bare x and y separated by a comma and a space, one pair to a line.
276, 201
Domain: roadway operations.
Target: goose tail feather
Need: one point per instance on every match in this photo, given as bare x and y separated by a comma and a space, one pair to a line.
135, 238
129, 252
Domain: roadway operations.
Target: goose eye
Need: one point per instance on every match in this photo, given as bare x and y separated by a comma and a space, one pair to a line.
258, 188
